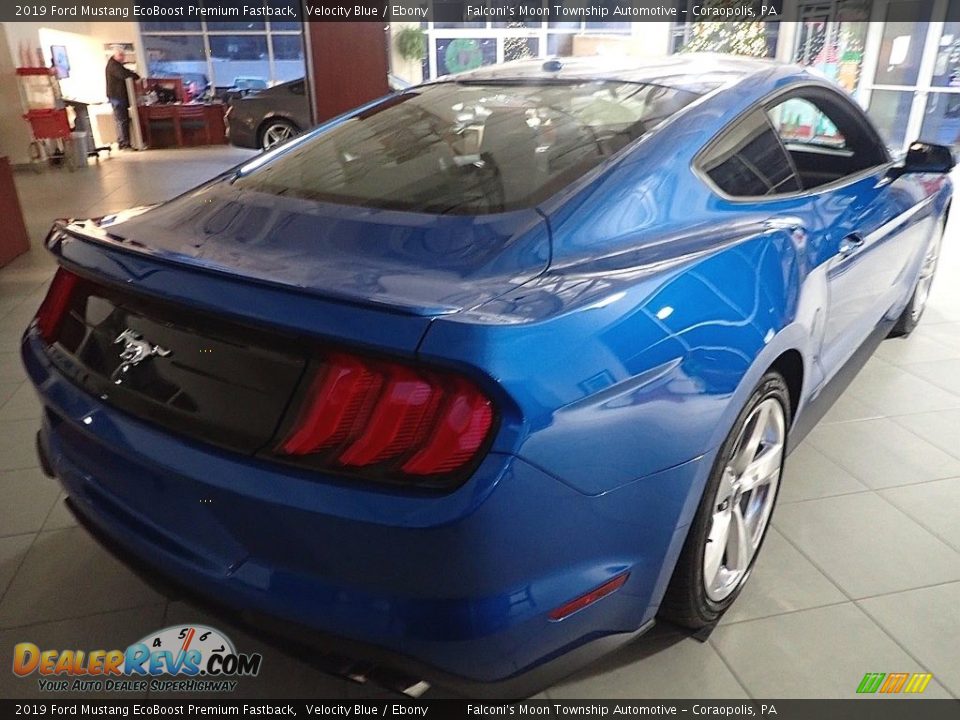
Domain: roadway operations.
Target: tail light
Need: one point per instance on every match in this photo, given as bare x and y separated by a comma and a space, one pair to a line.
363, 416
55, 304
390, 421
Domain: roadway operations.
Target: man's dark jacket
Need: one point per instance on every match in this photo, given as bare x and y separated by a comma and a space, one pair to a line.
117, 76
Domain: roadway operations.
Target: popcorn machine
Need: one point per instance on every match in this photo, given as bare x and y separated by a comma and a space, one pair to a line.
45, 111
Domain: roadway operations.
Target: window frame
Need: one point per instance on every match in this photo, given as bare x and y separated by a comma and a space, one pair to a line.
761, 114
488, 30
268, 32
763, 105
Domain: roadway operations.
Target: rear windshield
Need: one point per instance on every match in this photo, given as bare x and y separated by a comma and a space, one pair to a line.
469, 148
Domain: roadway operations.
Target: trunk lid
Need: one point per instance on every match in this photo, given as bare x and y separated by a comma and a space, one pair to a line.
196, 375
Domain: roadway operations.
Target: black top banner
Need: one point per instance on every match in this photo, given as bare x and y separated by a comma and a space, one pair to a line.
882, 709
445, 11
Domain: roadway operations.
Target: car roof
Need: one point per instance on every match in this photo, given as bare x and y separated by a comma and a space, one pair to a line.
686, 71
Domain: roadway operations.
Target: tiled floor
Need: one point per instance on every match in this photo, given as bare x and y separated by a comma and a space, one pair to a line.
861, 571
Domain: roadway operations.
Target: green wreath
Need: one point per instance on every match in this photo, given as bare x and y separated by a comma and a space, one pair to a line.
463, 54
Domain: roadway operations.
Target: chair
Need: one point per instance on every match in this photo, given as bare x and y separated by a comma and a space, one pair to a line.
162, 115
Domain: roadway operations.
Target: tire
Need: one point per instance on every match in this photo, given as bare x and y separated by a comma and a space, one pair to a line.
276, 131
910, 317
705, 583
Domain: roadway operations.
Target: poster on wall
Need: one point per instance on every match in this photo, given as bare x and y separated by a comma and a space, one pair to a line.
129, 56
60, 60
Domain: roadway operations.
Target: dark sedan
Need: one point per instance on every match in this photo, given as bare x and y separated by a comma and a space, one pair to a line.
267, 117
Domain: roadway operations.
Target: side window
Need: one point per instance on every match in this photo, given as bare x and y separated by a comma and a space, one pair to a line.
826, 136
799, 121
749, 161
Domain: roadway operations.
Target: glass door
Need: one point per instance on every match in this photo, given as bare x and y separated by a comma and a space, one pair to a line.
941, 111
900, 76
831, 38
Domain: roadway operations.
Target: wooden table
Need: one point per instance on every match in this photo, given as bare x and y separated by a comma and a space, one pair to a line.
192, 124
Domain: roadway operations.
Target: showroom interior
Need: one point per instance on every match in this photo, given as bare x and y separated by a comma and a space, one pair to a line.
861, 568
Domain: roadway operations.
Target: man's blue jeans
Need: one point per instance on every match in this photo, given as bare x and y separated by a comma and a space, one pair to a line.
121, 113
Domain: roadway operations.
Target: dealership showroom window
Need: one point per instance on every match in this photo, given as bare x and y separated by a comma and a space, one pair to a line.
417, 356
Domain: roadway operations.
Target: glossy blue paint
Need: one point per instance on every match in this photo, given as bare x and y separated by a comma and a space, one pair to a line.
619, 327
345, 252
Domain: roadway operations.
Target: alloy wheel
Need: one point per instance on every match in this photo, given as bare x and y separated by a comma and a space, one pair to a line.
744, 500
276, 133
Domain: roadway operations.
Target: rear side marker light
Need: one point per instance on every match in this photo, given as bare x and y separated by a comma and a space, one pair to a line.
589, 598
53, 309
364, 413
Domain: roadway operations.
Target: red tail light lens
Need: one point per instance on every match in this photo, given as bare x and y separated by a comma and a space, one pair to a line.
334, 404
54, 306
397, 421
461, 428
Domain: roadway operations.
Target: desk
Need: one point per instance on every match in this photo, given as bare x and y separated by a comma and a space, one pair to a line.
192, 124
13, 231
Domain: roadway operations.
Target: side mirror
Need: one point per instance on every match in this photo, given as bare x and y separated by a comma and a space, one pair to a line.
924, 157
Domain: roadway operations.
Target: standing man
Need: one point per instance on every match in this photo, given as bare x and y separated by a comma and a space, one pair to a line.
117, 76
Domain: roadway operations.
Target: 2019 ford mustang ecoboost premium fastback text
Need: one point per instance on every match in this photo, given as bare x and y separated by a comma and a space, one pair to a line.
491, 371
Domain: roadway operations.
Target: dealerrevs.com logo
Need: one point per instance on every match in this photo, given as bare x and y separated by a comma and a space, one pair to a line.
892, 683
181, 658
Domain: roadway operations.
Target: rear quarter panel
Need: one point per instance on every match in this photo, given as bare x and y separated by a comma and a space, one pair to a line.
620, 375
662, 308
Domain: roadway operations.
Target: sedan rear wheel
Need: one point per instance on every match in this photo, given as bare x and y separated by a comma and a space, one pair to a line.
276, 132
734, 513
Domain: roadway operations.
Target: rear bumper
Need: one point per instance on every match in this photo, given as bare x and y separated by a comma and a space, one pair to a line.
460, 584
241, 133
350, 658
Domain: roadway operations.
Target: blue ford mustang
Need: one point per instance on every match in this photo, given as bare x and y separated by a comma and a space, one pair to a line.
490, 373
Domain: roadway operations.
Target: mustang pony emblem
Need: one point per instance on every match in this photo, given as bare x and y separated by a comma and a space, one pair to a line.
135, 351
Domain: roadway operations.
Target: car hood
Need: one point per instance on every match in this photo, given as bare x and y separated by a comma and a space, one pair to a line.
411, 262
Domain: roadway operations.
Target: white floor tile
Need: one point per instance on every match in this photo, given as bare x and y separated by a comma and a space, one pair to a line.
821, 653
925, 623
67, 574
809, 474
867, 546
782, 581
880, 453
935, 505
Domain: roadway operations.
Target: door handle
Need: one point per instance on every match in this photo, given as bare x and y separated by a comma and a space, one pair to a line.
850, 245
